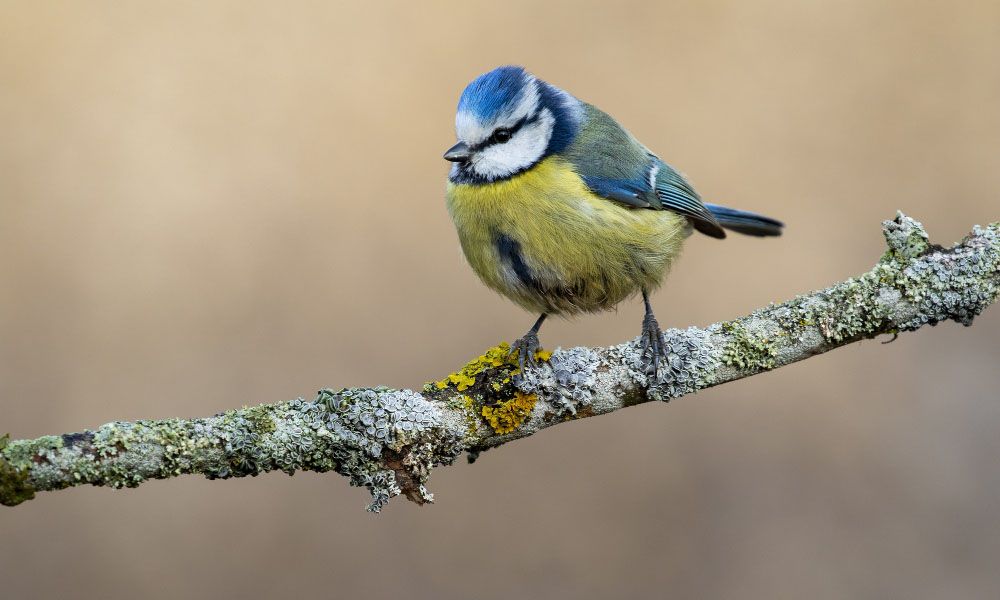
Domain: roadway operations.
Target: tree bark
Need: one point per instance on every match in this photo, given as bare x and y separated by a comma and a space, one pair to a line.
389, 440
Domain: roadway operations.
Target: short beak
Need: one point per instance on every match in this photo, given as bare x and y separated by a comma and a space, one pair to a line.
458, 153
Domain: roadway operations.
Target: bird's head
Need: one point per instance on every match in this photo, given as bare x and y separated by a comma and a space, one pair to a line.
507, 121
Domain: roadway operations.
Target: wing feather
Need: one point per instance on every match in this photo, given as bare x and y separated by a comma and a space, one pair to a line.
616, 166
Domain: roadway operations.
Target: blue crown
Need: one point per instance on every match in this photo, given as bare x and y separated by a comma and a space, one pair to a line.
494, 93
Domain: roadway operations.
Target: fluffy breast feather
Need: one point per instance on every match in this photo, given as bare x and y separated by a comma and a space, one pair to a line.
545, 241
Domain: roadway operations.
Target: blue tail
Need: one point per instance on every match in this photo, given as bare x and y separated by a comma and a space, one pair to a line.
747, 223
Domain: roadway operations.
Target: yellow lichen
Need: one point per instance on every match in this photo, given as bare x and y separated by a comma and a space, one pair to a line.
507, 416
497, 356
460, 380
464, 378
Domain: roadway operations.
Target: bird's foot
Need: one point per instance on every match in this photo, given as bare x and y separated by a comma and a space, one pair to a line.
653, 346
525, 349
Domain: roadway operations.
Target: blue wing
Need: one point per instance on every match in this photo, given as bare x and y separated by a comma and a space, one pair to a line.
676, 194
632, 193
661, 188
614, 165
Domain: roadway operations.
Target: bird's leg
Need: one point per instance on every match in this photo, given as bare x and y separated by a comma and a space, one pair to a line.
527, 345
654, 347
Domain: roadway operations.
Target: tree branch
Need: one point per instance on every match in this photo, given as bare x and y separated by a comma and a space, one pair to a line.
388, 440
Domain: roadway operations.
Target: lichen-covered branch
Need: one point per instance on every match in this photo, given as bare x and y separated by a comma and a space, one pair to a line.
389, 440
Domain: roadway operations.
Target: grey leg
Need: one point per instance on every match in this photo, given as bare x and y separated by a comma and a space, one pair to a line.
527, 345
654, 347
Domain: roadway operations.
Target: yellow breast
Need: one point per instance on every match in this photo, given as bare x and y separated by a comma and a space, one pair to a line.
545, 241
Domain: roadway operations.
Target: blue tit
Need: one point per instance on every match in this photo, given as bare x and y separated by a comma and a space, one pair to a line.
563, 211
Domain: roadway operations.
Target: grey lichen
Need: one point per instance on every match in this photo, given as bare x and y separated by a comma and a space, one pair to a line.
958, 282
378, 418
389, 440
385, 440
566, 382
914, 284
905, 237
689, 363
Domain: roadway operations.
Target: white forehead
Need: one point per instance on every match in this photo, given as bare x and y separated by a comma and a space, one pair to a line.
470, 129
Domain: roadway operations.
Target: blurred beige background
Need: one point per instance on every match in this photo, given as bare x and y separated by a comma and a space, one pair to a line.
204, 205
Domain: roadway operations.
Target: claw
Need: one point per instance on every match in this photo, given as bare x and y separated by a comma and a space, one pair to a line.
527, 345
525, 349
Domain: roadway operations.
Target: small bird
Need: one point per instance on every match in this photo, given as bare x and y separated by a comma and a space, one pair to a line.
563, 211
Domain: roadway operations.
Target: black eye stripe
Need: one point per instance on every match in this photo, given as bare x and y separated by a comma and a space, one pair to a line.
513, 129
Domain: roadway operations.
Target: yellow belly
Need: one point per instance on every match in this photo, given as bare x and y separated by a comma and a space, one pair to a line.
545, 241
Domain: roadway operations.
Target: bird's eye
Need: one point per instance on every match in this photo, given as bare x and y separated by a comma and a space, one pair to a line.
501, 136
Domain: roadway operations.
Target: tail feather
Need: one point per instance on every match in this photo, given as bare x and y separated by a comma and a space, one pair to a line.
744, 222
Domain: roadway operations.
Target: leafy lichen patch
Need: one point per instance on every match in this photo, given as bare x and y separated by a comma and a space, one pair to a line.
509, 415
567, 382
905, 237
489, 391
914, 284
748, 349
465, 377
370, 422
958, 282
15, 485
348, 432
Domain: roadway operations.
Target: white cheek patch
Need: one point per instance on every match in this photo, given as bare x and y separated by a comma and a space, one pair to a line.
472, 131
523, 150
